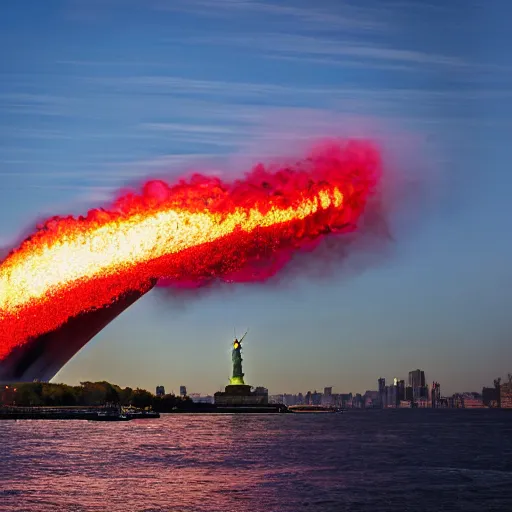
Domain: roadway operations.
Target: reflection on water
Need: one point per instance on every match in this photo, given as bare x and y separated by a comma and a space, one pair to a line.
364, 461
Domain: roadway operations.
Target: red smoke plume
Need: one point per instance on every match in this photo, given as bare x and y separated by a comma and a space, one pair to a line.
186, 234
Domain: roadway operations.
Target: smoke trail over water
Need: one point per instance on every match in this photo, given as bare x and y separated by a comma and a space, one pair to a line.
194, 233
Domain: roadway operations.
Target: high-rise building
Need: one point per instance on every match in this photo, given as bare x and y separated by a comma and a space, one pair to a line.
417, 379
436, 394
183, 390
316, 398
382, 391
417, 383
160, 391
400, 391
327, 397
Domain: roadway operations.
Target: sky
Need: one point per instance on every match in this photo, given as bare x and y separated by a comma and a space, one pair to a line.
96, 95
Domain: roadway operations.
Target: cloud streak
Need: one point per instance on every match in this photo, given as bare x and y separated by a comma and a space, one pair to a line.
354, 18
305, 45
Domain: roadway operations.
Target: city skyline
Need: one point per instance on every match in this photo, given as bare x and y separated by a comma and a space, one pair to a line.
95, 97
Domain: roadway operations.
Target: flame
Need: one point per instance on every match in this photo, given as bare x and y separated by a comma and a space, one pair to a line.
190, 232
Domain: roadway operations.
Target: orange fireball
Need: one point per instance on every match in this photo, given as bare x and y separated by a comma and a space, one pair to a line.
192, 232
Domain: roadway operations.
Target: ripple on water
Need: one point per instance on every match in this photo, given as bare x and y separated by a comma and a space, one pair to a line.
365, 461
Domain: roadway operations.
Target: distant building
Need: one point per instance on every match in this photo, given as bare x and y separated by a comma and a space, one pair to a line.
160, 391
327, 398
371, 399
183, 391
418, 384
358, 401
392, 395
197, 398
400, 391
345, 400
472, 401
436, 394
316, 398
382, 392
506, 393
288, 399
417, 379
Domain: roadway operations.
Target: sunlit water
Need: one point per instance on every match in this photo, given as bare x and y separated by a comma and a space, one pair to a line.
359, 461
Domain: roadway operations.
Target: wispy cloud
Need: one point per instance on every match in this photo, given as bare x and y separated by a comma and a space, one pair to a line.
189, 128
181, 85
345, 63
134, 168
35, 104
353, 18
236, 91
113, 63
273, 43
33, 133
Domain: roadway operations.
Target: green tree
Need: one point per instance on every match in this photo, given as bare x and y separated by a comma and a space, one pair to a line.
141, 398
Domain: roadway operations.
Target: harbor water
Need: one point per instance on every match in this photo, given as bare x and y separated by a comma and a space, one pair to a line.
417, 460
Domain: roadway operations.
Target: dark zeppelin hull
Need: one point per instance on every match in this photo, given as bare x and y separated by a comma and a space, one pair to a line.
42, 357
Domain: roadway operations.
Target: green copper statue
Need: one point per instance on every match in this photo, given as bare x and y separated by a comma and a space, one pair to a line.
236, 357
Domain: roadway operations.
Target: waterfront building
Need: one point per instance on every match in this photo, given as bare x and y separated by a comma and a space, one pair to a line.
197, 398
160, 391
435, 394
316, 398
418, 384
327, 398
371, 399
472, 401
382, 392
506, 393
183, 391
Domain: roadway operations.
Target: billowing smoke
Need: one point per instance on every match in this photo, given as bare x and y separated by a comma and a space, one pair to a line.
193, 233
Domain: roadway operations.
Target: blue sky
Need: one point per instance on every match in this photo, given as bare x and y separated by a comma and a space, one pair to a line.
98, 94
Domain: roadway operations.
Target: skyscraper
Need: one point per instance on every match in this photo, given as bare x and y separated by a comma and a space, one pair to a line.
417, 383
382, 392
417, 379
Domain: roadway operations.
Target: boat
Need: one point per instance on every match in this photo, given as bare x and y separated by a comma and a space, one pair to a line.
109, 416
133, 415
314, 409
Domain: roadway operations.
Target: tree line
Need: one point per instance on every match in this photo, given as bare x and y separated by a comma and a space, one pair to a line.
89, 394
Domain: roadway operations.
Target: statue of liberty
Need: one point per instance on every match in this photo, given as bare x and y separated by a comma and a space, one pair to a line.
236, 357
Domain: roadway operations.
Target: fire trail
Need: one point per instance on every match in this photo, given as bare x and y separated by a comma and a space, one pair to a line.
74, 275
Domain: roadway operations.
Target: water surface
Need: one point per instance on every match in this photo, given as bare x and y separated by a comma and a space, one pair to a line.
360, 461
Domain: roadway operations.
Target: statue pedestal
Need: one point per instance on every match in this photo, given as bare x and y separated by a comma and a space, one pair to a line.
238, 390
239, 394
